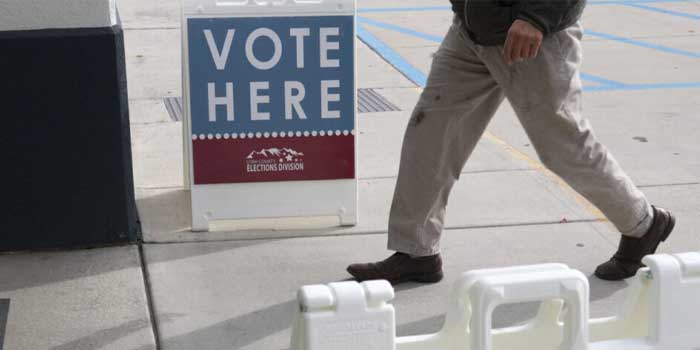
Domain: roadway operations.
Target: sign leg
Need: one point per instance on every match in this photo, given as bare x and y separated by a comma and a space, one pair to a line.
349, 219
200, 222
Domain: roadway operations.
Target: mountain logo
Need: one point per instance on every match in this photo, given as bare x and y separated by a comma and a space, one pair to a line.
283, 154
275, 159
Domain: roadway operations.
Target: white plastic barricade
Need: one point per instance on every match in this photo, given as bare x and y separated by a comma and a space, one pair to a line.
345, 316
662, 312
270, 101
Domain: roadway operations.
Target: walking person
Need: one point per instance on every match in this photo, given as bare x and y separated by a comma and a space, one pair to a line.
528, 51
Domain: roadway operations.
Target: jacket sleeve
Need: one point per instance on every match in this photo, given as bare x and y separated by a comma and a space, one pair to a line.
548, 15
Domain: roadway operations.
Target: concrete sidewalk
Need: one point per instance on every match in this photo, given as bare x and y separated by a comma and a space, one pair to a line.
229, 289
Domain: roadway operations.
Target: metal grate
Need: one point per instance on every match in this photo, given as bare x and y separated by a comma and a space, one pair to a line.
369, 100
174, 107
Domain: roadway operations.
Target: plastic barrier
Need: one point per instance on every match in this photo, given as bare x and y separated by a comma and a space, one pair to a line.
662, 312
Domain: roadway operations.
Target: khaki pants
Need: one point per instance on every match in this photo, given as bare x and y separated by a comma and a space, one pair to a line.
466, 85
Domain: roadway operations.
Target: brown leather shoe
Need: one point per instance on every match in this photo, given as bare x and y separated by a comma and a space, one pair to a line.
400, 268
628, 259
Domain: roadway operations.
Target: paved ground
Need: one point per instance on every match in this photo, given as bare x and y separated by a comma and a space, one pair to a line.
231, 290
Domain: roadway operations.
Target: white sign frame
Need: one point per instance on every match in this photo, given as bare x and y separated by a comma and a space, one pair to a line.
264, 199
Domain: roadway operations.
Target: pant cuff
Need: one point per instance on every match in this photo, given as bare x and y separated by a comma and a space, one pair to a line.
643, 225
412, 249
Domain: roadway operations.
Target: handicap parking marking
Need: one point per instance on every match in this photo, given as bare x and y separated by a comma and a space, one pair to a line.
418, 77
602, 81
662, 10
404, 9
599, 83
644, 44
638, 87
606, 36
400, 29
4, 312
625, 2
392, 57
639, 4
442, 8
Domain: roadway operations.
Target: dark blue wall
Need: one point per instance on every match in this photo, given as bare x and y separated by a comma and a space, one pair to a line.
66, 152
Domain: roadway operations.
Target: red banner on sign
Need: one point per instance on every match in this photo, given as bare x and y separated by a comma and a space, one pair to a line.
218, 161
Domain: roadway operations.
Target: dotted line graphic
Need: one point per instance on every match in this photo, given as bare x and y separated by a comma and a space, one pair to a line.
266, 135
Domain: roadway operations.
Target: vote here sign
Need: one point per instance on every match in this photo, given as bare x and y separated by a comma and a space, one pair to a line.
272, 98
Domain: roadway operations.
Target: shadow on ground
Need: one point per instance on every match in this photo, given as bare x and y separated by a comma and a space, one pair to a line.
105, 337
244, 330
43, 268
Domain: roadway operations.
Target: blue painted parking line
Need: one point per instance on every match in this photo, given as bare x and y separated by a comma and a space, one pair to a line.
404, 9
664, 11
618, 38
437, 39
644, 44
442, 8
408, 31
419, 78
391, 56
638, 87
618, 2
600, 80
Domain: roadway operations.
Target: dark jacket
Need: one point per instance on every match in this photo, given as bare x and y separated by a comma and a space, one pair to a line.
488, 21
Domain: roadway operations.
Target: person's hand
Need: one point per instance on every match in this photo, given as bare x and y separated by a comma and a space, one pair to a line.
523, 42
